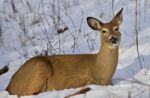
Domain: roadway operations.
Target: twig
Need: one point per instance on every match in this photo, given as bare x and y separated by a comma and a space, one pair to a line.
136, 33
4, 70
82, 91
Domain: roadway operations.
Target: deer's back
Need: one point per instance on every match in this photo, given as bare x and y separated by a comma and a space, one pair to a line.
45, 73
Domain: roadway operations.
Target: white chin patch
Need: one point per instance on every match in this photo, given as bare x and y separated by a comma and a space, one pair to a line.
113, 45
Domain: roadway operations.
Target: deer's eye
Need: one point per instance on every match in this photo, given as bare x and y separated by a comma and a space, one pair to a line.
116, 28
104, 31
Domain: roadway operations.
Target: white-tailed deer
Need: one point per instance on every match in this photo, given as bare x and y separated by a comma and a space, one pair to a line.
44, 73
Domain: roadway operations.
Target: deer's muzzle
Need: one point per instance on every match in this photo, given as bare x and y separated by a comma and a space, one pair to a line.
113, 40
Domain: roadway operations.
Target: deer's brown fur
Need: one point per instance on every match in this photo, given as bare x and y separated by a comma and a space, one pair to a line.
44, 73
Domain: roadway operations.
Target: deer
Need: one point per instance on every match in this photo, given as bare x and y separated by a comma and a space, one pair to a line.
58, 72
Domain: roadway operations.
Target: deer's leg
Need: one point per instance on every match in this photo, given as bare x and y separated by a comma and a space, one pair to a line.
30, 79
37, 86
105, 82
39, 83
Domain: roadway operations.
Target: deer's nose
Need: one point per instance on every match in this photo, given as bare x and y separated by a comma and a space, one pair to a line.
113, 40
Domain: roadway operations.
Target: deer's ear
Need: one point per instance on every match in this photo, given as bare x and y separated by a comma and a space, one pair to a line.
94, 23
118, 18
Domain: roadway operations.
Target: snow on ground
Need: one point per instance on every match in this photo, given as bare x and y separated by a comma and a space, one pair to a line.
26, 29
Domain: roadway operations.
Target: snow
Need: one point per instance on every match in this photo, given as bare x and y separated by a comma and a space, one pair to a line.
25, 33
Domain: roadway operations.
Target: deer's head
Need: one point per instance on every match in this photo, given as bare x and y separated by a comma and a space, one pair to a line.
110, 34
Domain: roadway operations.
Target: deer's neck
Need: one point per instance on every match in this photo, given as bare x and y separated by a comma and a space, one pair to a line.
106, 63
107, 56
